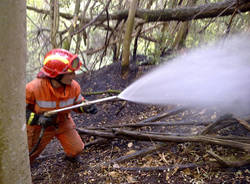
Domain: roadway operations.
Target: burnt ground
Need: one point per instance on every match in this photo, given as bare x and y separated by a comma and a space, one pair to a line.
171, 163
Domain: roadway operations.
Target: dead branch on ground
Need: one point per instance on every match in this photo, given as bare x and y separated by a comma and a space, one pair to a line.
228, 163
237, 142
139, 153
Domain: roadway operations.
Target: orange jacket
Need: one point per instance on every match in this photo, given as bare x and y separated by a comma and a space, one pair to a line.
44, 97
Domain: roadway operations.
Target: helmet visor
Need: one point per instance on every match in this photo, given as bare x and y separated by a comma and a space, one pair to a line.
75, 63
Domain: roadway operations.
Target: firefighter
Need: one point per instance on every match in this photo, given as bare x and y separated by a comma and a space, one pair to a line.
55, 88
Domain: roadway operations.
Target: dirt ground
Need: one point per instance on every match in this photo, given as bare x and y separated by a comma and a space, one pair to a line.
171, 163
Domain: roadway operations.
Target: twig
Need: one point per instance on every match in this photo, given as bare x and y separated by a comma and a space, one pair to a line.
96, 141
96, 133
160, 168
158, 123
134, 155
120, 109
163, 115
226, 163
244, 123
235, 138
92, 21
199, 138
222, 122
119, 133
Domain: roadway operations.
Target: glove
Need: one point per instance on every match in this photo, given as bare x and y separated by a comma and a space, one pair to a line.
46, 121
39, 119
90, 109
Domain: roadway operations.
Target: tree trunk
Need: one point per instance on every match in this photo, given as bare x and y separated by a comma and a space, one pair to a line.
14, 164
67, 42
127, 38
54, 16
181, 36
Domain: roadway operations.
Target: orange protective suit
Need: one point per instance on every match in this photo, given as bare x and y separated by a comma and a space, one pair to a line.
43, 97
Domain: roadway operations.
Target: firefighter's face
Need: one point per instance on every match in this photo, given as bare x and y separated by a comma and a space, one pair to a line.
67, 78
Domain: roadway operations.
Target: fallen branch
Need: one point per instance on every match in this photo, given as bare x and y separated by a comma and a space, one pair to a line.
94, 142
156, 123
223, 122
235, 138
226, 163
96, 133
159, 168
243, 123
164, 115
179, 14
121, 108
199, 138
145, 122
219, 124
134, 155
119, 133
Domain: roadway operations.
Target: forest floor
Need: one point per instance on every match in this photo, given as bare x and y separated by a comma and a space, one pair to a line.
168, 162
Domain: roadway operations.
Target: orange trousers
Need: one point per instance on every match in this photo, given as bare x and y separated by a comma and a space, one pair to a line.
65, 133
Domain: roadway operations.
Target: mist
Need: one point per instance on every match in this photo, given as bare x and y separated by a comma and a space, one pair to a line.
215, 75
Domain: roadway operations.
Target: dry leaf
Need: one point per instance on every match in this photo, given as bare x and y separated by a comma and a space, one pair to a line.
131, 179
149, 160
116, 149
130, 144
130, 152
116, 165
114, 174
187, 171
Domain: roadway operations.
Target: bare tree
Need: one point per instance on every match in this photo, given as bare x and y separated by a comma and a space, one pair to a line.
101, 26
127, 38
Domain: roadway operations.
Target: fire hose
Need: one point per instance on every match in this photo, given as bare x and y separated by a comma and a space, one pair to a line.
50, 113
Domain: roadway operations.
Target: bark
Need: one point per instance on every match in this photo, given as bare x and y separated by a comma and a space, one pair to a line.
14, 161
127, 39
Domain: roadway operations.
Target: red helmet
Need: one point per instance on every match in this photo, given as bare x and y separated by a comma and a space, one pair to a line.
60, 61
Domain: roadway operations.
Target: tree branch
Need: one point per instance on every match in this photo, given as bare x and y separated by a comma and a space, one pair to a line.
179, 14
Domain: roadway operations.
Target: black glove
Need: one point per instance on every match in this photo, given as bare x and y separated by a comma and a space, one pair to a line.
39, 119
46, 121
90, 109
